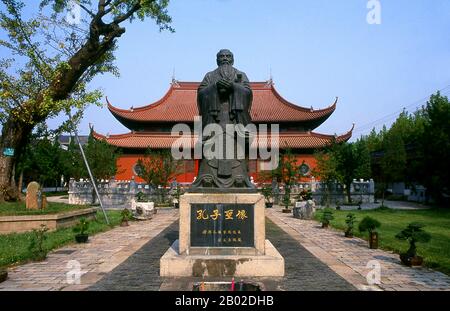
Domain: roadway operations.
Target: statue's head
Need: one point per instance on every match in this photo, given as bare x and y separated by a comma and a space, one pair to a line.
225, 57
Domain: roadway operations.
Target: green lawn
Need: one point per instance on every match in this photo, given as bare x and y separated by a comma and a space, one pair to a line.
19, 208
436, 253
14, 246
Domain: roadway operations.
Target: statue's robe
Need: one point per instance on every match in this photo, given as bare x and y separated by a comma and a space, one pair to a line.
224, 108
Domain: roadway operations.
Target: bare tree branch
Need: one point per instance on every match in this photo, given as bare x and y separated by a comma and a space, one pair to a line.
86, 9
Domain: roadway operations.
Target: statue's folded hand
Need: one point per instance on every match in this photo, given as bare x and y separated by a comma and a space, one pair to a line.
224, 83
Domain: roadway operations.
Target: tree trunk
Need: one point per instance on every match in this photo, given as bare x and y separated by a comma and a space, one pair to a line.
6, 165
20, 185
14, 135
347, 190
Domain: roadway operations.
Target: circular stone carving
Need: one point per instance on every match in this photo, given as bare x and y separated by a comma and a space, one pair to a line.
137, 169
304, 169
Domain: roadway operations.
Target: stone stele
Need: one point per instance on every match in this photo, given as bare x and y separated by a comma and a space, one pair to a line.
32, 195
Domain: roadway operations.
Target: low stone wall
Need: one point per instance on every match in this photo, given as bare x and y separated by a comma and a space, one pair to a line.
23, 223
360, 191
114, 194
120, 194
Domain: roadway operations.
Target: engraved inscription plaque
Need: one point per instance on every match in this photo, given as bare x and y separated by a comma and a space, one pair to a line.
222, 225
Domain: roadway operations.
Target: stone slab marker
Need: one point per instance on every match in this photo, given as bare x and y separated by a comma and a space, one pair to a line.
43, 202
32, 195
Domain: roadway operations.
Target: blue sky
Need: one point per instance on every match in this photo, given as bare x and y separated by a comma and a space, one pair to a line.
316, 49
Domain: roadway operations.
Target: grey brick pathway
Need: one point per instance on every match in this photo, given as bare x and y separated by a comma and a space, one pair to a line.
303, 271
141, 270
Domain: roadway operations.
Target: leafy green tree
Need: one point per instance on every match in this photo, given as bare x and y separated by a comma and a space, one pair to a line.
102, 158
45, 166
410, 128
415, 149
51, 61
353, 161
46, 161
326, 169
363, 156
342, 163
71, 162
393, 162
406, 130
288, 172
374, 140
436, 147
158, 168
40, 161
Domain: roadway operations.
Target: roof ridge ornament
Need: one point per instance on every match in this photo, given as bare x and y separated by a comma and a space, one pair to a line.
269, 83
175, 83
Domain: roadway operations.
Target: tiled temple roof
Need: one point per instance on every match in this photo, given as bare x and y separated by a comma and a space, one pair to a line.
180, 105
293, 140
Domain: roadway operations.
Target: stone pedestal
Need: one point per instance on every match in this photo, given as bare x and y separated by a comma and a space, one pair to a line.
222, 235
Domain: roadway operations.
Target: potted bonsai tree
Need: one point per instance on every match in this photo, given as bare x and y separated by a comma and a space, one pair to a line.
176, 203
350, 221
286, 201
126, 216
370, 225
327, 216
306, 194
413, 233
141, 197
268, 194
81, 231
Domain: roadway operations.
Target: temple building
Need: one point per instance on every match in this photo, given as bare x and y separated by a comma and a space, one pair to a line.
150, 127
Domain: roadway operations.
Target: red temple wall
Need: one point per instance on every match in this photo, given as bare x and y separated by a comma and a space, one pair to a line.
125, 164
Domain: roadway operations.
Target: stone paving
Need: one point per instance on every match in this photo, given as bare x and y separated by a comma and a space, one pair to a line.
102, 254
349, 257
303, 271
140, 271
127, 258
